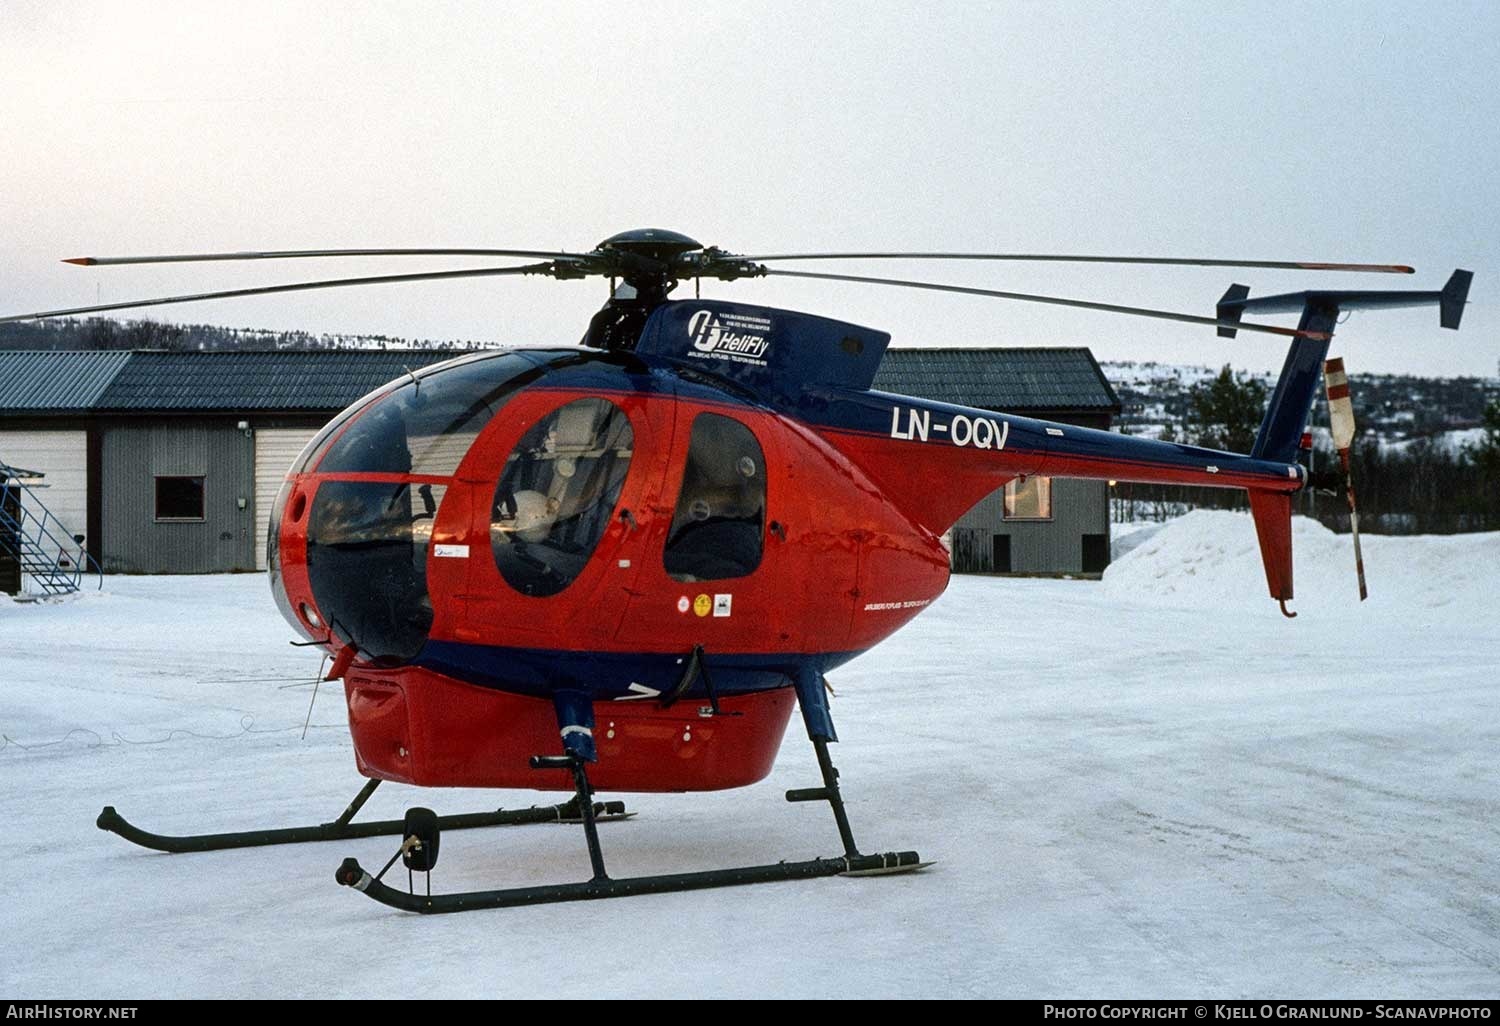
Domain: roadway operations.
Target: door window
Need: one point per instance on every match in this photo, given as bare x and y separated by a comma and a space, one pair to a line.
557, 493
718, 528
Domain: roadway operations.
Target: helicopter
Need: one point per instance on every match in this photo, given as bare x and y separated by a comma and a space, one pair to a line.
618, 566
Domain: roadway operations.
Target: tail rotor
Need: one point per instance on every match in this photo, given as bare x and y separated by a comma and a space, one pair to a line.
1341, 424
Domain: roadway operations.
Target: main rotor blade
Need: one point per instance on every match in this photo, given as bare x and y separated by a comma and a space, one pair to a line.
1286, 265
296, 254
384, 279
1165, 315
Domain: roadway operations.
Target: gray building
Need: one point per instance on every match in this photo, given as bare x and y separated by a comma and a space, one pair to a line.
1038, 526
168, 462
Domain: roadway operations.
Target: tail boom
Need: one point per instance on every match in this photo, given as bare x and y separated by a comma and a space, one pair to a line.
935, 460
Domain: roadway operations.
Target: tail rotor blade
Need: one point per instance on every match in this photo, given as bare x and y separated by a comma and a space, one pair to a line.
1341, 423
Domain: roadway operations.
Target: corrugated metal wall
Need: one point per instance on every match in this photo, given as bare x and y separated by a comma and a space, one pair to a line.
1038, 546
135, 454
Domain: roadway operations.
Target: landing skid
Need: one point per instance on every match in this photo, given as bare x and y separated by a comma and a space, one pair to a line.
419, 847
343, 829
351, 874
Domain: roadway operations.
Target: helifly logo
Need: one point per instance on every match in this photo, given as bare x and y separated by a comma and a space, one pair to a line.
737, 337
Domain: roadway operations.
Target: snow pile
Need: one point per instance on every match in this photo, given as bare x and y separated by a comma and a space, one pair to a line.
1131, 535
1210, 560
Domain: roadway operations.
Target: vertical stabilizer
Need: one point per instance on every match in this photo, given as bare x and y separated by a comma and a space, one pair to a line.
1273, 527
1286, 417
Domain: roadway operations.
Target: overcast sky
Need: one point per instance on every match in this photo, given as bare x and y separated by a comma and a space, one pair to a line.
1319, 131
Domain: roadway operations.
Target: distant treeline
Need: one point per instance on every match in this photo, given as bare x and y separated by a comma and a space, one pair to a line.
100, 333
1421, 487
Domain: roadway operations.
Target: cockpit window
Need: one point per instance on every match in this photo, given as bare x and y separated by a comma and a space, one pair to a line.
367, 563
557, 493
426, 425
718, 526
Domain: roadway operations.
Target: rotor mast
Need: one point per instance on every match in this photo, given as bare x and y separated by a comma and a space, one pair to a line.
645, 260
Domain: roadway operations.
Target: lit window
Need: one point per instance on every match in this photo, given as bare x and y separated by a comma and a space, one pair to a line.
179, 498
1028, 498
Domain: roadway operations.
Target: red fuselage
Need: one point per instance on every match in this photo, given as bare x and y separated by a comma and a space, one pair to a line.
840, 569
491, 534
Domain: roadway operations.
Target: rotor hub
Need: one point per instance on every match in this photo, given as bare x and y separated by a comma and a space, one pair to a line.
652, 243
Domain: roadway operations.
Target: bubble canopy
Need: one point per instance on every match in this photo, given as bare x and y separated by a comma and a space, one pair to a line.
367, 540
424, 424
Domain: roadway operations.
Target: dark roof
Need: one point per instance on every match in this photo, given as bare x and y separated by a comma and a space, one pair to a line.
1000, 379
324, 380
286, 380
55, 382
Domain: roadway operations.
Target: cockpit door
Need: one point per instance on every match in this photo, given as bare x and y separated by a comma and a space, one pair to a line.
709, 575
553, 499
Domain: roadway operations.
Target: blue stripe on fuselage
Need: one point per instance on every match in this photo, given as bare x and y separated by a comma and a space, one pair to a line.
539, 672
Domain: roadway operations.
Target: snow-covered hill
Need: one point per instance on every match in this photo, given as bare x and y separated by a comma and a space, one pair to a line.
1209, 559
1149, 785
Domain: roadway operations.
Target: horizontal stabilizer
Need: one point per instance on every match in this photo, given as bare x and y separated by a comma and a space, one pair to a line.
1449, 300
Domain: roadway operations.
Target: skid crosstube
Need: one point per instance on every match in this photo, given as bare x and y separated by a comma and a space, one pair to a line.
351, 874
342, 829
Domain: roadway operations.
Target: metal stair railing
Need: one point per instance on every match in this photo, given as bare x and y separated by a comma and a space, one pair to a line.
53, 560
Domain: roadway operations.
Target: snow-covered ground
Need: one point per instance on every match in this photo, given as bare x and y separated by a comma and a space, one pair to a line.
1150, 785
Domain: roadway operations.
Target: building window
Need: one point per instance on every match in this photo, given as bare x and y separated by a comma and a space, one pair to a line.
1028, 498
179, 498
717, 529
